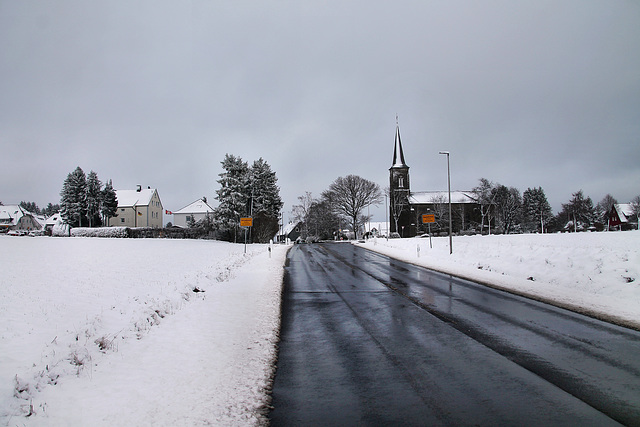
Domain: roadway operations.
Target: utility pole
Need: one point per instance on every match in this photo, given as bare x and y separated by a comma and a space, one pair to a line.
450, 218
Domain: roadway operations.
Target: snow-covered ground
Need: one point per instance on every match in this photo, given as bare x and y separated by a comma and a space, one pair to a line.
594, 273
97, 331
110, 331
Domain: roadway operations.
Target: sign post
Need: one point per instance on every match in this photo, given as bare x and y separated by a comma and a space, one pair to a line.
246, 223
429, 219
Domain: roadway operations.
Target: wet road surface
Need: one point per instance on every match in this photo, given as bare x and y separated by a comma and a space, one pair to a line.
367, 340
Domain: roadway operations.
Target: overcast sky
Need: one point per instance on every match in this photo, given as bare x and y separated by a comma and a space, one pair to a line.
524, 93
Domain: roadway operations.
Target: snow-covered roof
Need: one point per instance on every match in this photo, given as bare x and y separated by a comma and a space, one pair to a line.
127, 198
431, 197
288, 228
11, 214
624, 210
197, 207
53, 219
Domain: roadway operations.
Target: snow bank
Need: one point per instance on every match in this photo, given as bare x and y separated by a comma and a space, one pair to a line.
81, 343
593, 273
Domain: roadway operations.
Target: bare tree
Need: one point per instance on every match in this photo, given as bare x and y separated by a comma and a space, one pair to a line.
635, 205
484, 195
301, 211
399, 201
350, 195
603, 209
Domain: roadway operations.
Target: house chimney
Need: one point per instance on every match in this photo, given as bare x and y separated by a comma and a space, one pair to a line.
139, 189
204, 199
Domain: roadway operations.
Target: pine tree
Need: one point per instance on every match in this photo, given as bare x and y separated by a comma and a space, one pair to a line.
579, 212
51, 209
233, 195
94, 199
109, 202
266, 201
30, 207
73, 200
536, 209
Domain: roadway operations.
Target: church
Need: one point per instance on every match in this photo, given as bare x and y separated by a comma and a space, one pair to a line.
407, 207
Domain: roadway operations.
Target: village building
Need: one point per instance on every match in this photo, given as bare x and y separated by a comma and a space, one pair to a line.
290, 232
407, 207
14, 217
622, 215
193, 213
138, 208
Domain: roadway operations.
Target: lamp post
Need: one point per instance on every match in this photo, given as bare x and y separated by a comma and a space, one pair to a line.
450, 218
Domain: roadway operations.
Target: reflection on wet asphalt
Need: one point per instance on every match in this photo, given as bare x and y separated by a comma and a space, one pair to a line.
367, 340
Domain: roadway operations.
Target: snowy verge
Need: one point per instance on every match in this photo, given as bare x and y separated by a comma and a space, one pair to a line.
137, 332
597, 274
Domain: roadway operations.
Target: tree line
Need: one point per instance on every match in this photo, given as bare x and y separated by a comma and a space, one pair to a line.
507, 210
498, 209
339, 207
84, 202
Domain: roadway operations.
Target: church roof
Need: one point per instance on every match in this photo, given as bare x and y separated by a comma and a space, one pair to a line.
398, 154
431, 197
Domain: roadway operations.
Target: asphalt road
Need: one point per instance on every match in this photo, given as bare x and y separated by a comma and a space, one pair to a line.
367, 340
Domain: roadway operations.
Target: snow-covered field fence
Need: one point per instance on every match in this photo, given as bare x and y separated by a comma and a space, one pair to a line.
594, 273
77, 313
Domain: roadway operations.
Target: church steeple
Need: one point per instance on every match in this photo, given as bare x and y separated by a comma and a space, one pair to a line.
398, 154
399, 189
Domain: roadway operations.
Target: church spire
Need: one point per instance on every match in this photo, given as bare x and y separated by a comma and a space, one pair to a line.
398, 154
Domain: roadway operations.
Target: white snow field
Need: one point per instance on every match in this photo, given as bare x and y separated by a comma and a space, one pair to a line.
106, 332
98, 331
593, 273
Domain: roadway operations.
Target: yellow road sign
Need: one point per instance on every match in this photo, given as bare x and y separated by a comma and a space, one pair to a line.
427, 218
246, 222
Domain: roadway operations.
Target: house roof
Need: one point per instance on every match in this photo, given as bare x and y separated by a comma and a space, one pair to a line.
431, 197
624, 210
11, 214
129, 198
197, 207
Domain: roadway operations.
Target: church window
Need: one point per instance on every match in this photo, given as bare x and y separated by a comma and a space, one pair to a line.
401, 182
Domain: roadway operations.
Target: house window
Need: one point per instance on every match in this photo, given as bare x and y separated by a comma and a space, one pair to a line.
122, 210
122, 219
188, 218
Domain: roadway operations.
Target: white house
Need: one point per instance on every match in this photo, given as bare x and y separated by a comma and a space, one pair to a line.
138, 208
13, 217
195, 211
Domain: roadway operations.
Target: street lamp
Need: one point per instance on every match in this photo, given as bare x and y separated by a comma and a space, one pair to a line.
450, 218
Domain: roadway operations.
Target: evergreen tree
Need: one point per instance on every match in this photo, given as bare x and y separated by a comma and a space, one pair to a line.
51, 209
30, 207
579, 213
109, 202
233, 195
94, 198
536, 209
74, 198
265, 201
